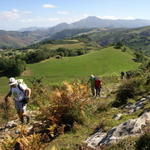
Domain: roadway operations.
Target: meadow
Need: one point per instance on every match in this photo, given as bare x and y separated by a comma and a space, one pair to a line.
108, 61
103, 62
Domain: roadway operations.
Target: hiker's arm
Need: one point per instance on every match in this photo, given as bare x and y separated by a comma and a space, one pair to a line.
8, 95
28, 92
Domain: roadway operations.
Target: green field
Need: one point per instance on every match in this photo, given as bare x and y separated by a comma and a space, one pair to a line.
71, 45
103, 62
108, 61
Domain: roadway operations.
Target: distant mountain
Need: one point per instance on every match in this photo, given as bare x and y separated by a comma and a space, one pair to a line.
69, 33
14, 39
30, 29
32, 35
95, 22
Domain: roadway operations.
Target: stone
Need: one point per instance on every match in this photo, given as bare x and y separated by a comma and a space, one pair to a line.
93, 141
117, 116
11, 124
132, 127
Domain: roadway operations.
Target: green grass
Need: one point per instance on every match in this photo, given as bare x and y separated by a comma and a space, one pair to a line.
104, 62
68, 46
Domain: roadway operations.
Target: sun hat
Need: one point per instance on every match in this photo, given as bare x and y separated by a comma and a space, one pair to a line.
92, 76
12, 81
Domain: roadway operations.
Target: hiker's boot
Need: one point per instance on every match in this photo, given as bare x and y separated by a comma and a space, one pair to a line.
22, 120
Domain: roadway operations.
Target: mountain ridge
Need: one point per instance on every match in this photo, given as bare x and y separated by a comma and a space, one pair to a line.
19, 39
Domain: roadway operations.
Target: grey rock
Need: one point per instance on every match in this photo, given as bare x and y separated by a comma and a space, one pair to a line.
11, 124
93, 141
131, 127
117, 116
143, 99
148, 97
136, 106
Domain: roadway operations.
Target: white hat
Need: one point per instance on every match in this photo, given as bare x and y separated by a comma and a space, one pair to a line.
12, 81
92, 76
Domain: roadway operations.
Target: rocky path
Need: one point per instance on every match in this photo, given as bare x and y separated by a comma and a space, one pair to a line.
13, 128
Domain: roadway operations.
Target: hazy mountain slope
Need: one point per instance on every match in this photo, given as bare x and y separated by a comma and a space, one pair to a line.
106, 23
68, 33
18, 39
138, 38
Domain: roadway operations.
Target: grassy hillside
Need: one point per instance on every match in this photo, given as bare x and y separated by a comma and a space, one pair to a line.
103, 62
107, 61
68, 46
137, 39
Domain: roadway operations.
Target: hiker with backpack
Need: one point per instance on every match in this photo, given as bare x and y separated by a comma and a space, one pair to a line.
92, 84
98, 86
21, 94
122, 75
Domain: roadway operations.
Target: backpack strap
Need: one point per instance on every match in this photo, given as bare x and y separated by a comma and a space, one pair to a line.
20, 88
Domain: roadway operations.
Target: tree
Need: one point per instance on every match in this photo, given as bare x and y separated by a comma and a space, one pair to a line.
12, 67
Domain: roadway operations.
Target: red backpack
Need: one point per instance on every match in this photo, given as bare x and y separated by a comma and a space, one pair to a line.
98, 83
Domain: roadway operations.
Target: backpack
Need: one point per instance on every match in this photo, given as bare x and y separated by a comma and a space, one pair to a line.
98, 83
20, 84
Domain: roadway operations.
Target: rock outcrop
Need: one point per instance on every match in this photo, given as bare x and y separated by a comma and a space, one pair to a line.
138, 105
132, 127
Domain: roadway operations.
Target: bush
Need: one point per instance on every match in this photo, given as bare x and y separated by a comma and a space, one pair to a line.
67, 105
126, 91
124, 144
62, 108
12, 67
143, 142
23, 141
139, 56
36, 56
118, 45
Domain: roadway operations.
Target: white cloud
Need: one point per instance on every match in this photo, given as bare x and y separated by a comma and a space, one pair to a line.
63, 12
116, 18
108, 17
13, 14
48, 6
129, 18
85, 15
40, 20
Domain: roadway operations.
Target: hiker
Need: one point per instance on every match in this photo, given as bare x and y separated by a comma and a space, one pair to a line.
128, 75
122, 75
21, 94
92, 84
98, 86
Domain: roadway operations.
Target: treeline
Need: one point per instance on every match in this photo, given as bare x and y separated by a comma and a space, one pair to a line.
39, 55
13, 63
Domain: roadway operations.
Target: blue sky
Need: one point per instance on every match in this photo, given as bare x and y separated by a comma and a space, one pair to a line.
16, 14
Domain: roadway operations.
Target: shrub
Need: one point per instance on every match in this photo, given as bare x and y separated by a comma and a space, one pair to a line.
126, 91
11, 67
140, 57
67, 105
61, 108
36, 56
22, 141
124, 144
143, 142
118, 45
